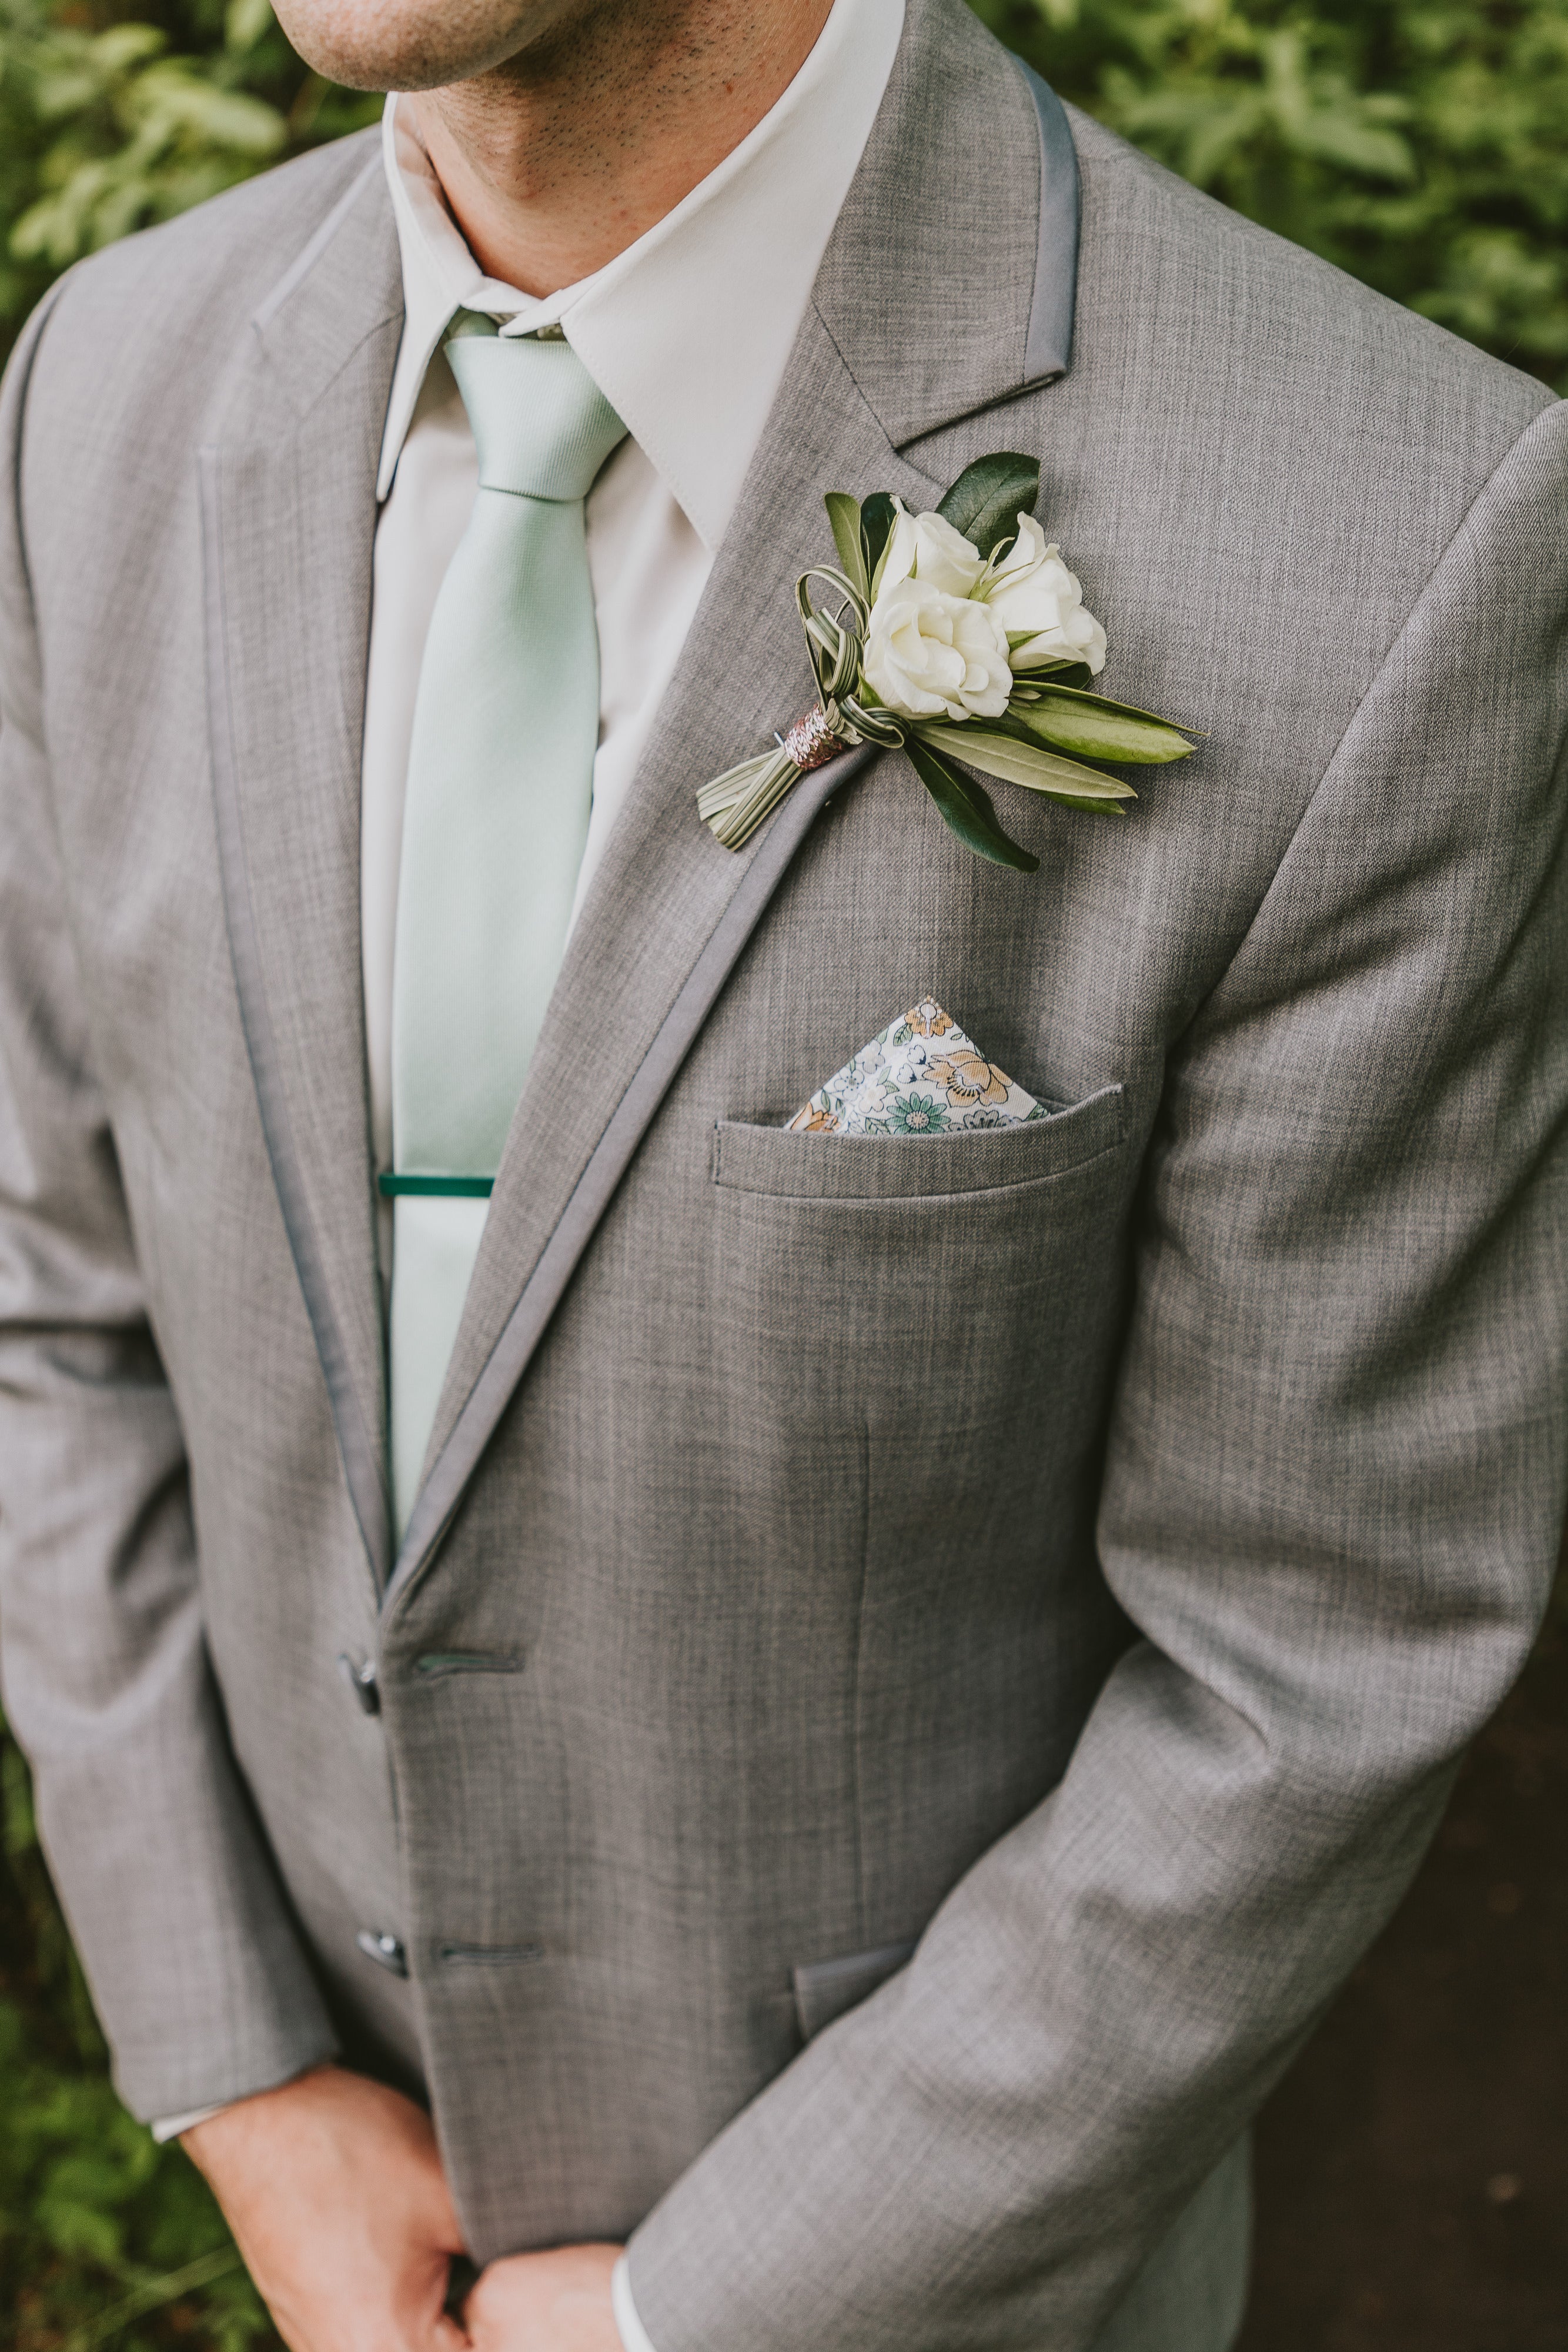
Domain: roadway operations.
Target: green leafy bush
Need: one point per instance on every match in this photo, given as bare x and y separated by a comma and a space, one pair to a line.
1418, 143
105, 2239
109, 120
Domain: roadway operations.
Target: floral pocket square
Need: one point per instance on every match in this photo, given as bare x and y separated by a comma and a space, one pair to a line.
921, 1076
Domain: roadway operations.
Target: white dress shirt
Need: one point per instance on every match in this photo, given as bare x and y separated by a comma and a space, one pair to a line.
686, 333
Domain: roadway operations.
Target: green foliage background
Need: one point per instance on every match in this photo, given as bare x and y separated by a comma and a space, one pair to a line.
1419, 143
106, 2239
115, 113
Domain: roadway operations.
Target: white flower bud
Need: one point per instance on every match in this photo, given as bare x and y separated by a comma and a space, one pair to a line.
1033, 591
923, 547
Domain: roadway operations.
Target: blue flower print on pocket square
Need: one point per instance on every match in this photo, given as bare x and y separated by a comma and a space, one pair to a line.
921, 1077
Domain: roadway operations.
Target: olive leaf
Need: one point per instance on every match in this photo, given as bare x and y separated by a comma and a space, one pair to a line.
1068, 687
878, 515
1102, 731
966, 809
1087, 807
844, 514
1019, 762
1056, 674
989, 497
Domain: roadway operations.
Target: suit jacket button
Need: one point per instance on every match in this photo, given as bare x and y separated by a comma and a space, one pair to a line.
360, 1673
384, 1949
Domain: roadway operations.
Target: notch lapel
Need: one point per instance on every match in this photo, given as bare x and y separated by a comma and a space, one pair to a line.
669, 911
289, 521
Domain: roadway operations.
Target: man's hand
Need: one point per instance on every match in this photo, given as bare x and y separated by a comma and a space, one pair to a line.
333, 2187
555, 2302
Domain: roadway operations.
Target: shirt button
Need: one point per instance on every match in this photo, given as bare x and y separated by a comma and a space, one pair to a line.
384, 1949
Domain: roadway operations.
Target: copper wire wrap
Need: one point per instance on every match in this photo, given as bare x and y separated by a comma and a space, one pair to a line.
811, 742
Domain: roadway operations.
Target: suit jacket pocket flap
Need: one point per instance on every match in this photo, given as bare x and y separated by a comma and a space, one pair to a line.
752, 1158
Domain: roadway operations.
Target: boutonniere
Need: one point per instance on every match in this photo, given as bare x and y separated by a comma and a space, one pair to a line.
957, 635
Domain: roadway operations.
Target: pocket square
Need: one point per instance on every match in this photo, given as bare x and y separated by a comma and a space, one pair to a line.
921, 1077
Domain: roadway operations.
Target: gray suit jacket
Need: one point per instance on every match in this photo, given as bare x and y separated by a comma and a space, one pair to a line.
1079, 1555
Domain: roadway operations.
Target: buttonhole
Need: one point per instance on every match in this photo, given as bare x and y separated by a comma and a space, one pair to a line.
493, 1956
468, 1662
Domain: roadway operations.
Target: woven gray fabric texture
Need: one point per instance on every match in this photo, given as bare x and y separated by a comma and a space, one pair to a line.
1085, 1562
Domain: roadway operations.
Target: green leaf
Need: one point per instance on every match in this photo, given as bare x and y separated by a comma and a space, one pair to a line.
17, 1834
878, 515
81, 2230
1023, 763
1067, 688
154, 2295
1087, 807
967, 811
727, 790
245, 22
735, 804
124, 46
989, 497
844, 514
1101, 734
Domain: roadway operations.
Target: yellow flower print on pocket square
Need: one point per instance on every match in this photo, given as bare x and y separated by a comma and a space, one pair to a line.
921, 1077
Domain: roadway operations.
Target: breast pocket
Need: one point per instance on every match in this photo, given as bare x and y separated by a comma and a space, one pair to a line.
936, 1299
784, 1165
901, 1421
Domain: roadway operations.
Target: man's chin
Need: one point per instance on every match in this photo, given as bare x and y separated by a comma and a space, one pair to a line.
416, 43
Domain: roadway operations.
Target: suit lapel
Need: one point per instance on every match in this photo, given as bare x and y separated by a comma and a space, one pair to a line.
288, 519
941, 306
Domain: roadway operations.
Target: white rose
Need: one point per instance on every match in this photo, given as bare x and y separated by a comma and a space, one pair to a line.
932, 656
923, 547
1034, 591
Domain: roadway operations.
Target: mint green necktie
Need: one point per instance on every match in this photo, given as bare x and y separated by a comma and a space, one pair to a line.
500, 779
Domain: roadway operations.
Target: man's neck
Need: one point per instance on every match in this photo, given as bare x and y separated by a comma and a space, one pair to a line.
558, 159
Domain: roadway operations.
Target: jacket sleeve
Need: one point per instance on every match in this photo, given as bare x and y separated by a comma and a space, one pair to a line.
1332, 1502
165, 1878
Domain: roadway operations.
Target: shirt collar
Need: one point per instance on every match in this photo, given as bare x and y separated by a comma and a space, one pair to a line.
689, 331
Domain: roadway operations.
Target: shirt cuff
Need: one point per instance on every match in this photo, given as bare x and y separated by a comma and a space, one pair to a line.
171, 2127
633, 2334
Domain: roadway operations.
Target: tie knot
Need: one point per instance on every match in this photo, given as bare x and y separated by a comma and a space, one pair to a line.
541, 426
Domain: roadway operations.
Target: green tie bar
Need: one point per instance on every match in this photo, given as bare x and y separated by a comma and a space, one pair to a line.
437, 1188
